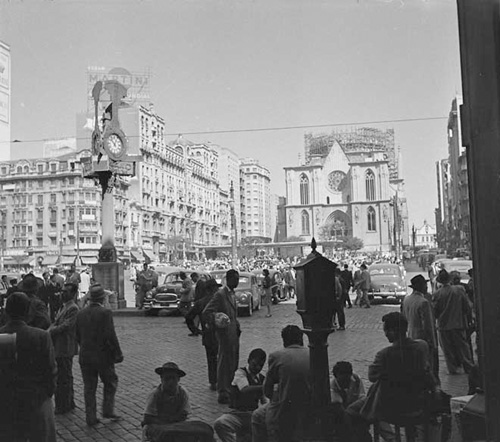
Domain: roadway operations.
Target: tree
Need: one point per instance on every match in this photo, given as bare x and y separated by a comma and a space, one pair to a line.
352, 243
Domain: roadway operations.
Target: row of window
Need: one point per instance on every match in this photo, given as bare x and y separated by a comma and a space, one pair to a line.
371, 218
369, 184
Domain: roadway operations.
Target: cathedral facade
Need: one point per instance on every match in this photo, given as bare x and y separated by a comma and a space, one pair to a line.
340, 193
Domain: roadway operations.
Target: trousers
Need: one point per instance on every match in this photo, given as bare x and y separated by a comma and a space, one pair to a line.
211, 352
227, 361
234, 426
90, 374
64, 395
456, 350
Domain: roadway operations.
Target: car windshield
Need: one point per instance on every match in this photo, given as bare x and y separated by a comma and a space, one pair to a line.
219, 277
386, 271
172, 278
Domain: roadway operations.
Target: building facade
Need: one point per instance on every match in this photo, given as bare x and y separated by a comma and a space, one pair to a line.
5, 99
425, 236
338, 193
51, 214
257, 187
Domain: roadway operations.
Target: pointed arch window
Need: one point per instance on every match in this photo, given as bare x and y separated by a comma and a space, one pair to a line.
305, 223
304, 190
372, 219
370, 185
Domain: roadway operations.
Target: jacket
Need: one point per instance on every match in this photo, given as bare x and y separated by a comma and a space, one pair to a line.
63, 331
223, 301
452, 308
418, 312
95, 333
34, 371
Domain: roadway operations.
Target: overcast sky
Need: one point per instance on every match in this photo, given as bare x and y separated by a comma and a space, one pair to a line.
233, 64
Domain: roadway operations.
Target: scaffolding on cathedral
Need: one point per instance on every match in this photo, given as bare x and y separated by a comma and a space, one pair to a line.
362, 139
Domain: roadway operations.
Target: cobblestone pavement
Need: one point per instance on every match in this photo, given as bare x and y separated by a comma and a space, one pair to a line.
148, 342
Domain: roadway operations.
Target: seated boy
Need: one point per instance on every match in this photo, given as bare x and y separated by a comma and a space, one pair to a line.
167, 409
346, 386
246, 392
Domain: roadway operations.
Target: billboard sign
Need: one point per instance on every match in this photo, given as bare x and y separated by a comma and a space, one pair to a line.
138, 84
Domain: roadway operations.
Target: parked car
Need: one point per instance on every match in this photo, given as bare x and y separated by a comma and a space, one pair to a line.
278, 294
248, 292
387, 280
458, 265
166, 295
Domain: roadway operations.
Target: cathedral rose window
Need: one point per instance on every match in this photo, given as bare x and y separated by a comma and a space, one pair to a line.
336, 180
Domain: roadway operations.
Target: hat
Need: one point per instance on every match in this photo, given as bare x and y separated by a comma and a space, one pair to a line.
96, 292
30, 284
443, 277
170, 366
212, 283
418, 281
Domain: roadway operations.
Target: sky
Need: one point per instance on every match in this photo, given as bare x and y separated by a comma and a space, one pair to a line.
248, 64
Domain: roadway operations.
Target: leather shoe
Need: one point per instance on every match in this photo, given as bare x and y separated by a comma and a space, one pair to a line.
93, 422
114, 417
223, 399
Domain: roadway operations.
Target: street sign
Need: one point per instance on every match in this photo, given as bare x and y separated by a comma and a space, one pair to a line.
122, 167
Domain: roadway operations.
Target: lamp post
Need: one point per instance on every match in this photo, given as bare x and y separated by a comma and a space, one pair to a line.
315, 287
234, 233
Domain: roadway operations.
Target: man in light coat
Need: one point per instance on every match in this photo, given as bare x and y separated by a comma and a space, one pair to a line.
421, 324
228, 336
63, 333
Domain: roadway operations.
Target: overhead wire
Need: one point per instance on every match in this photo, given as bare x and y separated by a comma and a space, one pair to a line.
250, 130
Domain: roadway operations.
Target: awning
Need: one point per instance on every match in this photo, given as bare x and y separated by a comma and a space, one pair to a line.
88, 260
67, 260
8, 261
136, 257
149, 255
50, 260
28, 261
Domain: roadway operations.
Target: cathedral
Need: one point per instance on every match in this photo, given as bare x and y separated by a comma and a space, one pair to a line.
348, 185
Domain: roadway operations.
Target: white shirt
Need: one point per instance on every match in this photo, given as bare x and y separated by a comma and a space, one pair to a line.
84, 282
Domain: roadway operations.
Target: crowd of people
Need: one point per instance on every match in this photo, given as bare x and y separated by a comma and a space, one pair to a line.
275, 407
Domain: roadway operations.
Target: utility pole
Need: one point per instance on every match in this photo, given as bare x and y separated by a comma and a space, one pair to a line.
479, 28
234, 230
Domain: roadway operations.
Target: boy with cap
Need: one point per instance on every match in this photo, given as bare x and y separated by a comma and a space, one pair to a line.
167, 409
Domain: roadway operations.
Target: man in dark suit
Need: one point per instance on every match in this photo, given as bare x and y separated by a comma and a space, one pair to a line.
288, 386
28, 379
63, 333
38, 315
400, 375
347, 282
221, 313
99, 351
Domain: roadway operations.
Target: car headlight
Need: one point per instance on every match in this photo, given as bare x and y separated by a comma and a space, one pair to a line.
149, 295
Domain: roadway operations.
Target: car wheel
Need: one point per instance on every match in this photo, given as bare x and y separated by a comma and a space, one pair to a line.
250, 308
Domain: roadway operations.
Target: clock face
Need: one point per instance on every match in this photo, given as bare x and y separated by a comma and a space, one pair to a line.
114, 145
336, 180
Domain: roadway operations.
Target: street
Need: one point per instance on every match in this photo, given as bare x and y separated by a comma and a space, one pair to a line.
148, 342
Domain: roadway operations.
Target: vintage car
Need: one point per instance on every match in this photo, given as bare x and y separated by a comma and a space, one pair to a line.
247, 293
278, 294
165, 296
458, 265
387, 280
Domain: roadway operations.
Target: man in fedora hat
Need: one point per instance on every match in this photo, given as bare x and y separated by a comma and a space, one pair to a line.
224, 301
99, 351
167, 409
454, 315
38, 315
421, 324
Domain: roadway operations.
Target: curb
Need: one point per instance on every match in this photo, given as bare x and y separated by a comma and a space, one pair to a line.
130, 311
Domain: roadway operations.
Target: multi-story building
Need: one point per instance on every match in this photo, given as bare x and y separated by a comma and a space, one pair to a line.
51, 214
453, 229
5, 93
257, 182
425, 236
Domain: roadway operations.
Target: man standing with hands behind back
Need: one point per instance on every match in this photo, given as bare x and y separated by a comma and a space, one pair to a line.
221, 313
99, 352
